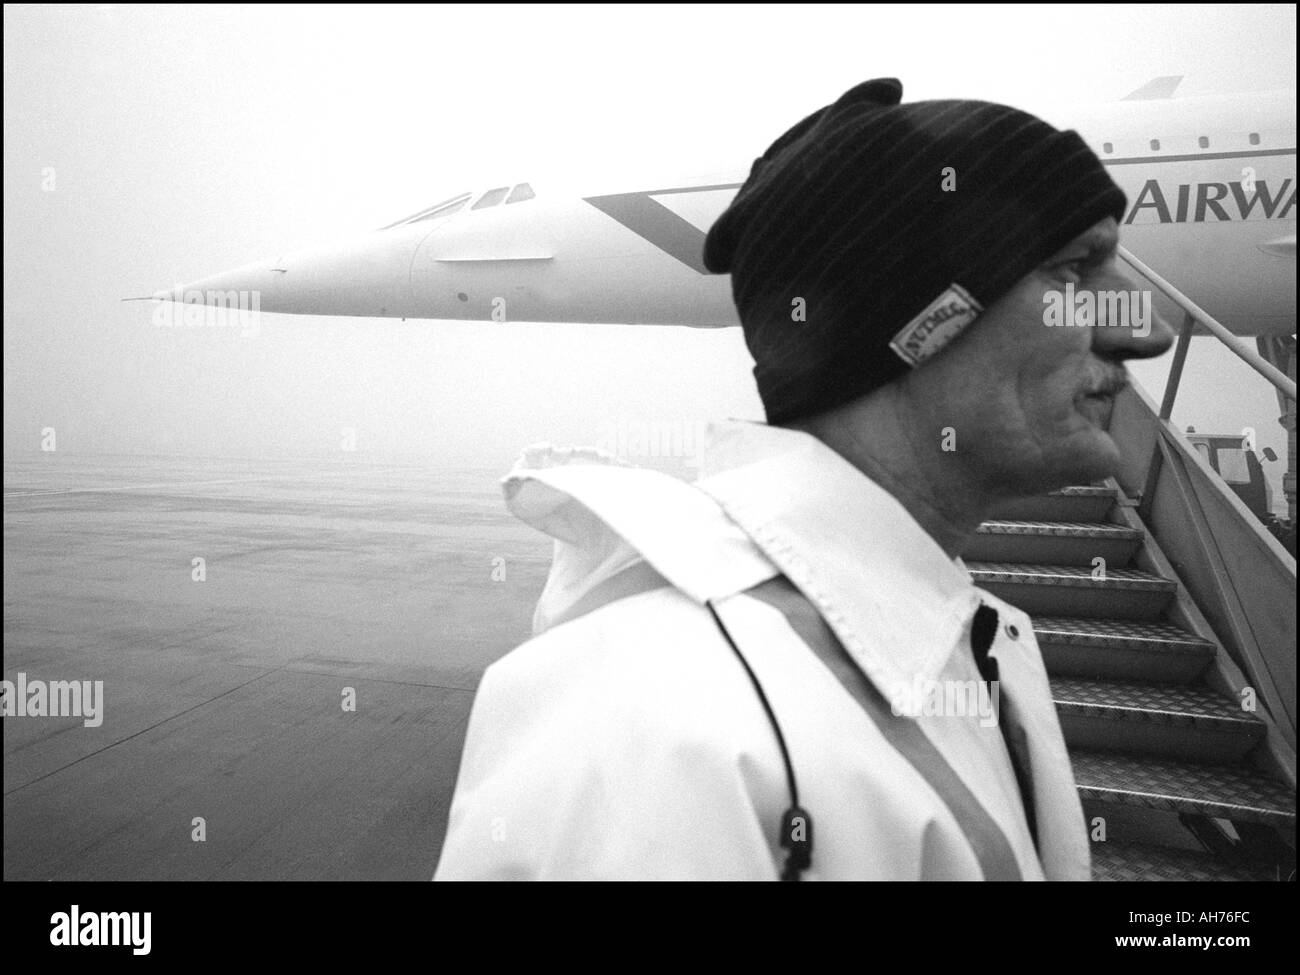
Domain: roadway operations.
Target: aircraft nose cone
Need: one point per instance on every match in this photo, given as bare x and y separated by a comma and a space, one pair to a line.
362, 277
242, 283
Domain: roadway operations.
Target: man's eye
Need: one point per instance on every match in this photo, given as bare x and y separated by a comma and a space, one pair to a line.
1083, 265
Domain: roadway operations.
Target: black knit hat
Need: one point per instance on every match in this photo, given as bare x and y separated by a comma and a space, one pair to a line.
871, 233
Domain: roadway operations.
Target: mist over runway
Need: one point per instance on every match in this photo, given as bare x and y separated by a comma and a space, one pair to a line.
223, 698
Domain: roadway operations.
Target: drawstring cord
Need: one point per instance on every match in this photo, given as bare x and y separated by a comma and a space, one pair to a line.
796, 824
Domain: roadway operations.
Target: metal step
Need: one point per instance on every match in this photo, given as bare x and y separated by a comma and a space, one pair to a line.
1124, 649
1066, 590
1085, 502
1053, 543
1235, 793
1143, 861
1169, 720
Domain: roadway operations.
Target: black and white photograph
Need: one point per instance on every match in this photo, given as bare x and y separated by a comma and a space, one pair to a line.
649, 443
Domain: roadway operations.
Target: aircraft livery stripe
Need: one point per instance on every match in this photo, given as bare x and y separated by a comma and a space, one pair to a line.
1198, 156
654, 222
694, 189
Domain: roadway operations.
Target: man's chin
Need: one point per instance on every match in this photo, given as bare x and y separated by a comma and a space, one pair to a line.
1095, 458
1083, 459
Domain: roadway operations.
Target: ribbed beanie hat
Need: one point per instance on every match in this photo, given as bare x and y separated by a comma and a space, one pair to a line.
872, 233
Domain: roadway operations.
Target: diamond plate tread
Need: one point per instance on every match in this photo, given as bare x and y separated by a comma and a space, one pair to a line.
1085, 491
1060, 529
1158, 703
1067, 575
1122, 634
1086, 503
1234, 793
1145, 861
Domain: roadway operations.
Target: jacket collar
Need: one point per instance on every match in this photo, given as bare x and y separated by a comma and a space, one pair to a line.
606, 515
895, 599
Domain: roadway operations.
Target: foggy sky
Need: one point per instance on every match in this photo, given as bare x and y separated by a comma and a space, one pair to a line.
186, 141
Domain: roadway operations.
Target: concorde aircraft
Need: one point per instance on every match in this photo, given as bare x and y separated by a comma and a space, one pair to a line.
1211, 184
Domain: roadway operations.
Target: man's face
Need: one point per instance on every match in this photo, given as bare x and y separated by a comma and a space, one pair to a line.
1028, 388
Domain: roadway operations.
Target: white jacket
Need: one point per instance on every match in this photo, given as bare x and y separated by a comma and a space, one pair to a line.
625, 741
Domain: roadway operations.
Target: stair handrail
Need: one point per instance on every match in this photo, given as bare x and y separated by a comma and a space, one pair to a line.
1200, 316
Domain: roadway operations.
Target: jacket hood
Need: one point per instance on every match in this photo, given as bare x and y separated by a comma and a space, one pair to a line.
607, 515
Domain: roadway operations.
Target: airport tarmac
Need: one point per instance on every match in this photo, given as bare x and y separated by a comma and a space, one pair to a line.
223, 699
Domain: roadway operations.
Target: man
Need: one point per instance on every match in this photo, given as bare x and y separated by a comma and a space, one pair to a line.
734, 679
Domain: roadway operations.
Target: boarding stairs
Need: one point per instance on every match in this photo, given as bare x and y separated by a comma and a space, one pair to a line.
1161, 745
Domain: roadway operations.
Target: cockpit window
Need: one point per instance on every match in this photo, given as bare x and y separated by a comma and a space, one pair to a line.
444, 209
520, 193
491, 198
447, 207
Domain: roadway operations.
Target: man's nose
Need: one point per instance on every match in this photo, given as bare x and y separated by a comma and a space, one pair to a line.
1132, 329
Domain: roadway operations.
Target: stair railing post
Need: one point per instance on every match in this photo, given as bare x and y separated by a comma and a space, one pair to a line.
1176, 370
1166, 412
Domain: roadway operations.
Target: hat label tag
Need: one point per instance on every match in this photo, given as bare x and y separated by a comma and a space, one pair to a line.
942, 321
